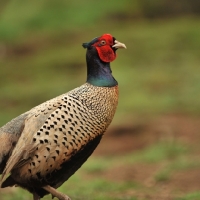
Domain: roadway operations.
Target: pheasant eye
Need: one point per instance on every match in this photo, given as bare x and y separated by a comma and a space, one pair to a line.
103, 42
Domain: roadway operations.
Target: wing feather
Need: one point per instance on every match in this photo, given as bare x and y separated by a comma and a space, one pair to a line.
32, 121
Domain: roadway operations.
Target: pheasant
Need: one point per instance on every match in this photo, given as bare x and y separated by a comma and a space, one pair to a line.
43, 147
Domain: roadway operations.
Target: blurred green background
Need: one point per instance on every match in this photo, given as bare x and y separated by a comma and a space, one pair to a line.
158, 114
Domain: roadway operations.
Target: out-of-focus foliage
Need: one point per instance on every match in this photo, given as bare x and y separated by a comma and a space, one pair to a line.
168, 8
41, 54
20, 17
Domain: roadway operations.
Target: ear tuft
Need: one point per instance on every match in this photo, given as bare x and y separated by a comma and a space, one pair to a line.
85, 45
88, 44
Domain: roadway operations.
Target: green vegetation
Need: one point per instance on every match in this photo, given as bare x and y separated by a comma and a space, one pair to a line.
158, 73
97, 179
41, 57
192, 196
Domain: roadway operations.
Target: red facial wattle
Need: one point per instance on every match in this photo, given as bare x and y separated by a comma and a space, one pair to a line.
106, 53
104, 48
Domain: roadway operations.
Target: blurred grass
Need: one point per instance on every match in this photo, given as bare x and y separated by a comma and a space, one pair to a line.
158, 73
91, 181
193, 196
41, 57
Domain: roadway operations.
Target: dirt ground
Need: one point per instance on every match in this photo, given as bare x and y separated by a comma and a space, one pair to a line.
122, 140
136, 137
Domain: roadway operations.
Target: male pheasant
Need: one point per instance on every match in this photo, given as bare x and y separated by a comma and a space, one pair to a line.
43, 147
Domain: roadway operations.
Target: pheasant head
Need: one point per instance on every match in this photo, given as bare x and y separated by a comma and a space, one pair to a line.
100, 52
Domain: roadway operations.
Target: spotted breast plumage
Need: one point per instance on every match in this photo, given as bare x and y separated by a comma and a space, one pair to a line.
46, 145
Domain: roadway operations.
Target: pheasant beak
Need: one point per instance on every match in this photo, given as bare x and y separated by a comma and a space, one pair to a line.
119, 45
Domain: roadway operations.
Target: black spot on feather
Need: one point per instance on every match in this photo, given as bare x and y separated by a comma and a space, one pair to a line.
56, 136
63, 116
47, 132
48, 149
57, 151
55, 141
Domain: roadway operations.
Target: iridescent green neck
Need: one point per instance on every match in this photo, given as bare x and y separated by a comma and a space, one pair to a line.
98, 72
